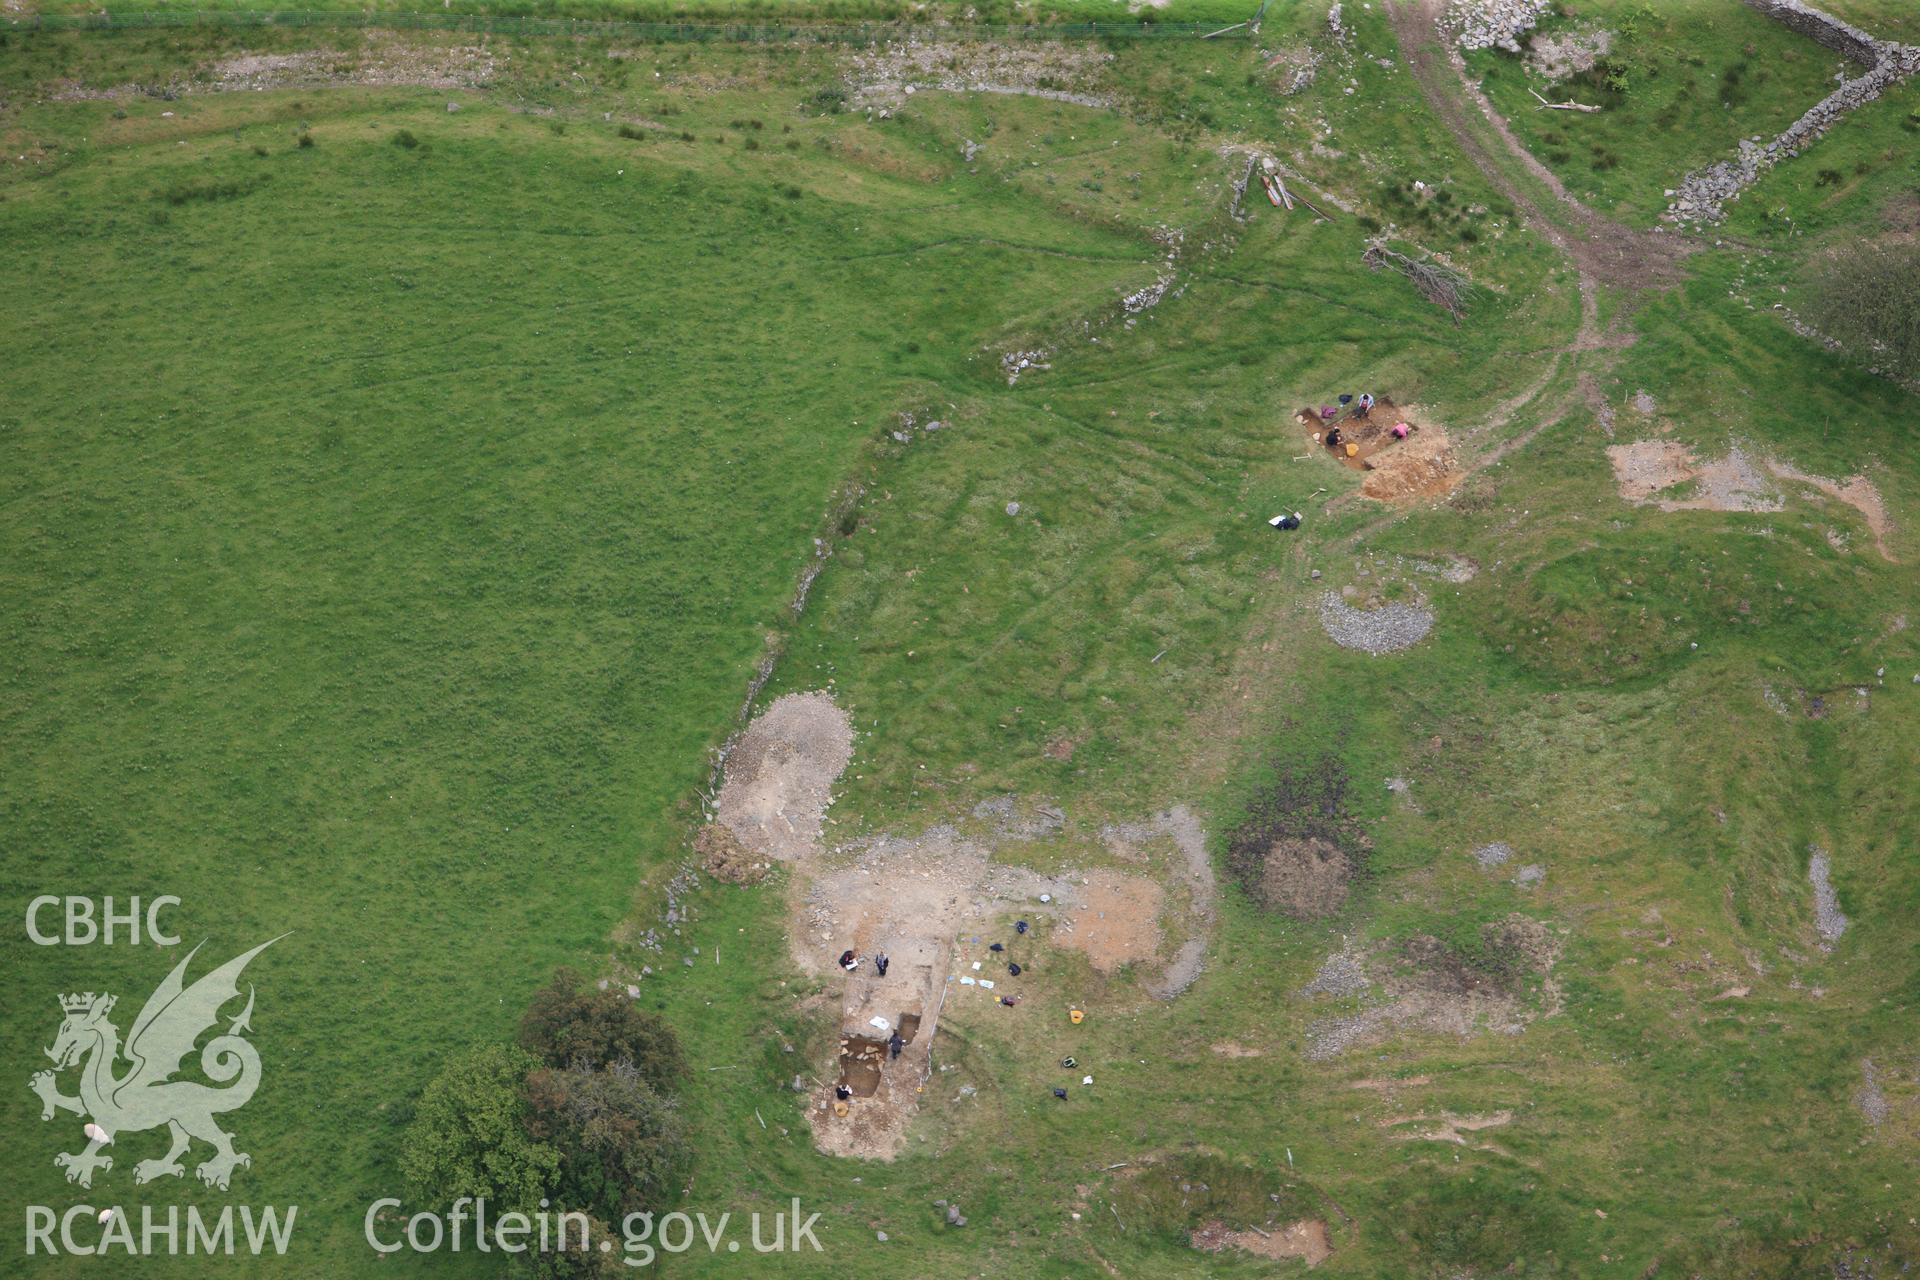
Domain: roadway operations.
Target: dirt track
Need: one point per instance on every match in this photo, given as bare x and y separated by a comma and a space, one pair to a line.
1602, 251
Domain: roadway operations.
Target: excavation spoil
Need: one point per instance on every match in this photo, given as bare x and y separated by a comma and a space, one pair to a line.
1387, 629
1828, 919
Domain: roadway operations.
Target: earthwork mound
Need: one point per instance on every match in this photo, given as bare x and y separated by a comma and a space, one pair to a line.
1298, 850
1306, 878
780, 776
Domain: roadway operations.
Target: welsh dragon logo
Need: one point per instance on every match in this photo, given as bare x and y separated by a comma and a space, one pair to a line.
146, 1096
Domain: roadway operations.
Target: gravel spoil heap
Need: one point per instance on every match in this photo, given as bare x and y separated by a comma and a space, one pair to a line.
1388, 629
1828, 920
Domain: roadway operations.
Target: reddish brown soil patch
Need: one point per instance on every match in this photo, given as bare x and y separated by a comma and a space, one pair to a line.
1422, 468
723, 857
1857, 492
1117, 921
1306, 1240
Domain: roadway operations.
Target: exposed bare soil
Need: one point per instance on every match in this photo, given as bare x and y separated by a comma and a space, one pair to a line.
928, 901
1857, 492
1306, 879
1740, 481
1423, 986
1307, 1240
885, 76
1647, 468
780, 776
1117, 921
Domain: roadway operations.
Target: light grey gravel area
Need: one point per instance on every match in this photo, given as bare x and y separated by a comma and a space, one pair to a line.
1531, 874
1870, 1098
1828, 920
1497, 854
1341, 975
1388, 629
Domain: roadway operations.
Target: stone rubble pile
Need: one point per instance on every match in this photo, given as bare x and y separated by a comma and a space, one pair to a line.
1492, 24
1702, 195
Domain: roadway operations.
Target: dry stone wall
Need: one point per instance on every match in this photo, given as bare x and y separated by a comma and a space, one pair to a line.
1703, 194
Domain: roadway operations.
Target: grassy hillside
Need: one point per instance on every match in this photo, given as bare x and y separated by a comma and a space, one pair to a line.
397, 502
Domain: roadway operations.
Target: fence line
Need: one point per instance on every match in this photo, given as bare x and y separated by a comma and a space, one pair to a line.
825, 32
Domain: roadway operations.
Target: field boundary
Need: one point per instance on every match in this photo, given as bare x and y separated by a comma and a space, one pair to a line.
824, 32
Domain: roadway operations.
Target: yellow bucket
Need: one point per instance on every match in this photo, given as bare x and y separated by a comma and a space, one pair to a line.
1074, 1016
1352, 449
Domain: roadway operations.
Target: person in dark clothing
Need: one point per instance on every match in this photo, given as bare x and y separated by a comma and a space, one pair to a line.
1020, 926
848, 960
894, 1045
1333, 438
841, 1092
1014, 969
880, 963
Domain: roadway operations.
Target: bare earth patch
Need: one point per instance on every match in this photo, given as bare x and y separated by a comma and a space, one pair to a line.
1646, 469
886, 75
380, 64
1306, 1240
1857, 492
1421, 469
780, 775
916, 898
1117, 921
1447, 1127
1306, 879
1422, 986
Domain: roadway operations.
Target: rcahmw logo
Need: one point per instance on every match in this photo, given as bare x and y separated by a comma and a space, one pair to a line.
147, 1096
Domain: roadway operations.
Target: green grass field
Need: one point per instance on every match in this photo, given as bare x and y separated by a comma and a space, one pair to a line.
396, 503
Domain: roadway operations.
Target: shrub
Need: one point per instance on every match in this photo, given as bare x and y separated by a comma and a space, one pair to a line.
572, 1024
1868, 297
621, 1143
629, 131
468, 1136
306, 139
205, 191
405, 140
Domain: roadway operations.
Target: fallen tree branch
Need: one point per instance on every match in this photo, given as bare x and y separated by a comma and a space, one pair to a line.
1562, 106
1438, 284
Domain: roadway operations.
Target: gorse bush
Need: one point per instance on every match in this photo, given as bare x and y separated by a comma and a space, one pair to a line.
1867, 296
